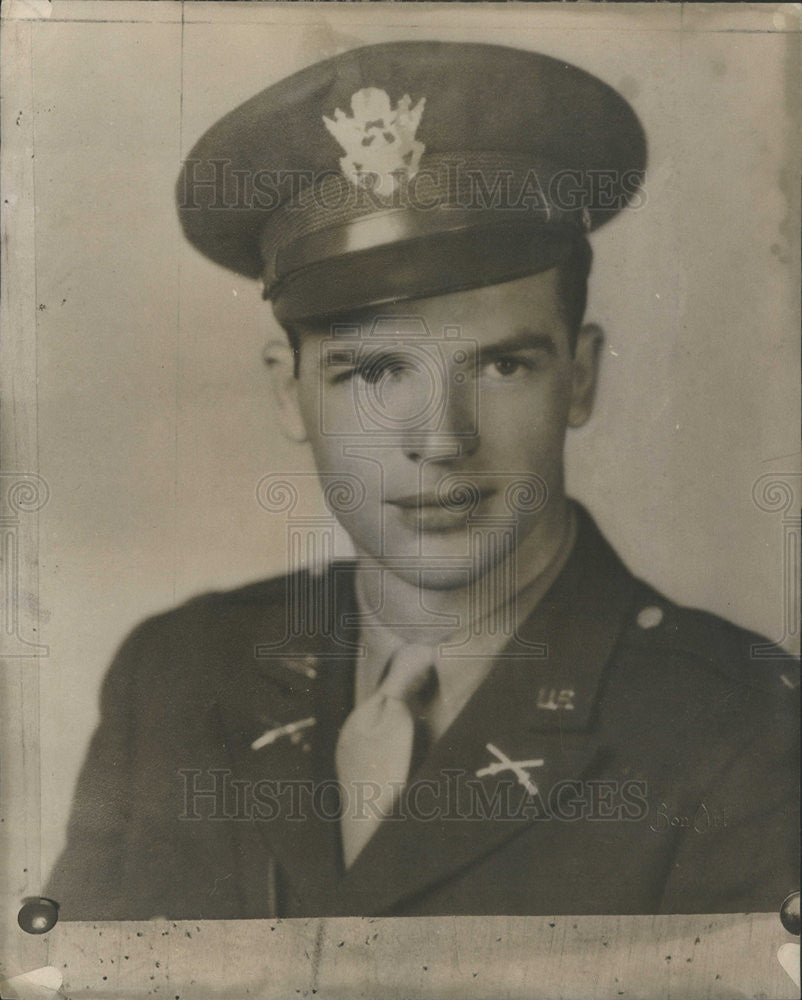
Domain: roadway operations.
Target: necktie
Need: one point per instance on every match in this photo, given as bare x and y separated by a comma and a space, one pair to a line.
374, 749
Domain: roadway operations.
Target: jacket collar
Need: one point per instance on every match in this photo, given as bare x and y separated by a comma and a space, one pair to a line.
282, 706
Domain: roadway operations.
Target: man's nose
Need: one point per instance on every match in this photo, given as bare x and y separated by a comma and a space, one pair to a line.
449, 433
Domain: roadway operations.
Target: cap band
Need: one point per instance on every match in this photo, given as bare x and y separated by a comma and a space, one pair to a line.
465, 184
450, 194
434, 264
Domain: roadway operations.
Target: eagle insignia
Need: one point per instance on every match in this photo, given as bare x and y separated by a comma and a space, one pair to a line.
378, 139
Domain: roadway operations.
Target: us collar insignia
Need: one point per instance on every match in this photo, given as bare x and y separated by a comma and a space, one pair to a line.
379, 140
291, 729
554, 699
520, 768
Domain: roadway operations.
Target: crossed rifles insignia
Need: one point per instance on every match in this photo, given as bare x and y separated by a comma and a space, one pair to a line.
291, 729
520, 768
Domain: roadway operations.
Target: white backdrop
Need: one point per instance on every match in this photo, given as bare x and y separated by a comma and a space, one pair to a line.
154, 420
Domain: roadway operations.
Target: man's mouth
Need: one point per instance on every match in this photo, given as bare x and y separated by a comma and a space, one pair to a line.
439, 511
456, 500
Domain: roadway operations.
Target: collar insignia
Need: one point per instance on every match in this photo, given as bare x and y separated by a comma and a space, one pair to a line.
518, 767
379, 140
291, 729
553, 699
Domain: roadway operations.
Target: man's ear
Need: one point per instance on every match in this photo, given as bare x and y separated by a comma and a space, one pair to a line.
280, 362
587, 357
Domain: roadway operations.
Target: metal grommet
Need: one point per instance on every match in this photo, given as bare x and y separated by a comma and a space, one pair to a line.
650, 616
789, 913
38, 916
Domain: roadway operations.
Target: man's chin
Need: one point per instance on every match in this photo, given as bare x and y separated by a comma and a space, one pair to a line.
441, 560
448, 579
442, 572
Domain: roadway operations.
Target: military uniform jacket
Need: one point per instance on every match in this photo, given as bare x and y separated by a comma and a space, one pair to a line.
658, 744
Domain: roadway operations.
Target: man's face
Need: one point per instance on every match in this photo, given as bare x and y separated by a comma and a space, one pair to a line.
447, 417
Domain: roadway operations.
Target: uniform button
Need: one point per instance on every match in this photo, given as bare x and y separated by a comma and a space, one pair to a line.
650, 616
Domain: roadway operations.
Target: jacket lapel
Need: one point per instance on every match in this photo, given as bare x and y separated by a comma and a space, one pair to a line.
281, 710
528, 727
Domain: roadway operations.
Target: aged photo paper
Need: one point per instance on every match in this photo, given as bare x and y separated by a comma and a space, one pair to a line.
399, 500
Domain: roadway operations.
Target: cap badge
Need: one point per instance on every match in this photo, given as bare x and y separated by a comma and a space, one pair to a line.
379, 140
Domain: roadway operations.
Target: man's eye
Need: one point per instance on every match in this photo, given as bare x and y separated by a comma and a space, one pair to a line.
507, 367
371, 372
376, 371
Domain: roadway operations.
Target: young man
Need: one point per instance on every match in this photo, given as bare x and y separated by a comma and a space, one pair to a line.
484, 712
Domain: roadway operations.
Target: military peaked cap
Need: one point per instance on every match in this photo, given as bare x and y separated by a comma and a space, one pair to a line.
409, 169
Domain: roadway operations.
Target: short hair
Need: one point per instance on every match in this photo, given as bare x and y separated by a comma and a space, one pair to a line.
573, 270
